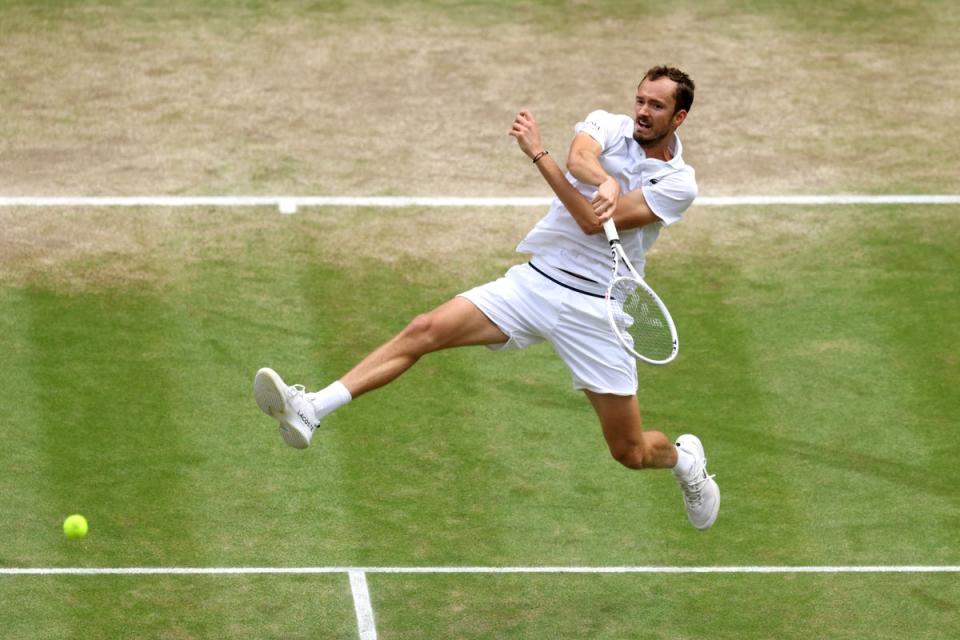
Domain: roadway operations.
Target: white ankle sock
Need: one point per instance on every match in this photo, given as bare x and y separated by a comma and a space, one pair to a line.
685, 462
327, 400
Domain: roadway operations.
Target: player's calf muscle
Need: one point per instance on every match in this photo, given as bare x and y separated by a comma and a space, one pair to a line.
655, 452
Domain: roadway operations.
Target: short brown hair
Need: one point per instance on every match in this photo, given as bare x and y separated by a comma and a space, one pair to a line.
684, 93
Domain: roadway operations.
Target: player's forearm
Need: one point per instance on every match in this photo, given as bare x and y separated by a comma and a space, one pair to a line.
578, 206
583, 162
586, 168
633, 211
527, 133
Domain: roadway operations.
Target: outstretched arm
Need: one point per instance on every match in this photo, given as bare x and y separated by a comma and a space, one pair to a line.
629, 212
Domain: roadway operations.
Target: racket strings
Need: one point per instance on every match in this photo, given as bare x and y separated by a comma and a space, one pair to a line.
640, 320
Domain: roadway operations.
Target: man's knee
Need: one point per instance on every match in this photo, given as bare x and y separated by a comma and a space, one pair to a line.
422, 334
630, 455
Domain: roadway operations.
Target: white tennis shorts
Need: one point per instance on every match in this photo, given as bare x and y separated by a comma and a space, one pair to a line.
529, 308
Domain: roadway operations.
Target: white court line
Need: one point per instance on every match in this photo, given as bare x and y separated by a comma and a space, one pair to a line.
478, 570
361, 594
362, 605
290, 204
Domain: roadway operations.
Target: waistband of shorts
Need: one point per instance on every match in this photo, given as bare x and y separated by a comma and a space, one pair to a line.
570, 280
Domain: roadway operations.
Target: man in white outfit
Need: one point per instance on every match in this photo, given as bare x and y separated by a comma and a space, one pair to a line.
628, 169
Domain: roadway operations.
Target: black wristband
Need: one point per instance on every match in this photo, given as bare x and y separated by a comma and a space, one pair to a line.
540, 155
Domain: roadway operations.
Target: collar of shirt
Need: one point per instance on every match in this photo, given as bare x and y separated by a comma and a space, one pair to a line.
639, 156
643, 171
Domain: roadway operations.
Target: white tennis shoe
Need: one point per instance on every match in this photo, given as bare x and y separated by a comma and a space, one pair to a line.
288, 405
701, 494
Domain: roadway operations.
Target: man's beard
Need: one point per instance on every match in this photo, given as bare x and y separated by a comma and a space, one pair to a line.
648, 141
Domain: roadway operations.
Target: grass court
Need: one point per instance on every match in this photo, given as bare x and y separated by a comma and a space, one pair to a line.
818, 361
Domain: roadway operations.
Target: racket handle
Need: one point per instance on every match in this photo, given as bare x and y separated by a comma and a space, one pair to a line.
610, 228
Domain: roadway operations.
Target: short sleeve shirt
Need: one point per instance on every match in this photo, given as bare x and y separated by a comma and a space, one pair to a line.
668, 187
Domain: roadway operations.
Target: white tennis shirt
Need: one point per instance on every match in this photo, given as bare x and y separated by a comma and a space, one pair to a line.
669, 188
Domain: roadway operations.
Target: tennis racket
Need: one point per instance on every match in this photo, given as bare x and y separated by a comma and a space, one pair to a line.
637, 315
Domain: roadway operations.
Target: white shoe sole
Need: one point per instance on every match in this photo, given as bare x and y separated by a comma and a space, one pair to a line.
268, 389
293, 437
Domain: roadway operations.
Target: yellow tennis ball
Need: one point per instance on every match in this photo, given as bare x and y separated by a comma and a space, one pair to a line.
75, 526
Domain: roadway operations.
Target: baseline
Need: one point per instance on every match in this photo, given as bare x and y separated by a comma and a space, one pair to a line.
93, 571
290, 204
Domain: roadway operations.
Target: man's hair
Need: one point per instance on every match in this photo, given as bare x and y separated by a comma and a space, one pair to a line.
683, 96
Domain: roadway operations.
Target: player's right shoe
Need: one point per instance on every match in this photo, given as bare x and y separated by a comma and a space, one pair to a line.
701, 495
288, 405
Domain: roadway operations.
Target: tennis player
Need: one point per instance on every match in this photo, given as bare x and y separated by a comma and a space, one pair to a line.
627, 168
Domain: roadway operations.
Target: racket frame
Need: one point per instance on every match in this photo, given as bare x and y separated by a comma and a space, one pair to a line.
620, 257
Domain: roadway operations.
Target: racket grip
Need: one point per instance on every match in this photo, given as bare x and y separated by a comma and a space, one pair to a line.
610, 228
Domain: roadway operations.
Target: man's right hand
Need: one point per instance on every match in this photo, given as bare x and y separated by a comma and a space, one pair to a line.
605, 201
527, 133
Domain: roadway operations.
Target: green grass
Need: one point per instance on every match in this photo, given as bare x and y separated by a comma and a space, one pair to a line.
613, 606
177, 607
817, 369
819, 358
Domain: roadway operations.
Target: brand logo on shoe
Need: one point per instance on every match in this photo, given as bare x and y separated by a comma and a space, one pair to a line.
306, 421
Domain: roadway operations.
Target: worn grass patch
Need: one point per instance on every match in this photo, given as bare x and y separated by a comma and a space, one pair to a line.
89, 249
369, 98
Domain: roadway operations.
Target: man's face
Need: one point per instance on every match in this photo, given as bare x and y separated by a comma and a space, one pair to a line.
654, 117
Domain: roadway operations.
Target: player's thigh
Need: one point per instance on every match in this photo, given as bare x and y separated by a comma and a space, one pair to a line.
458, 323
619, 418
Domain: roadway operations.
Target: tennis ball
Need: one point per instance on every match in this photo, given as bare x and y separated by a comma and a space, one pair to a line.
75, 526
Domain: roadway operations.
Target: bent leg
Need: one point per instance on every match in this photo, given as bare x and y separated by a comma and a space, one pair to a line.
456, 323
622, 427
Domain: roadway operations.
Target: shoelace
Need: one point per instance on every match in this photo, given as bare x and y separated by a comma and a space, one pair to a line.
295, 389
693, 490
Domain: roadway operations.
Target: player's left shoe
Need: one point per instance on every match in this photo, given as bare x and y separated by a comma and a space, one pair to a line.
701, 494
288, 405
